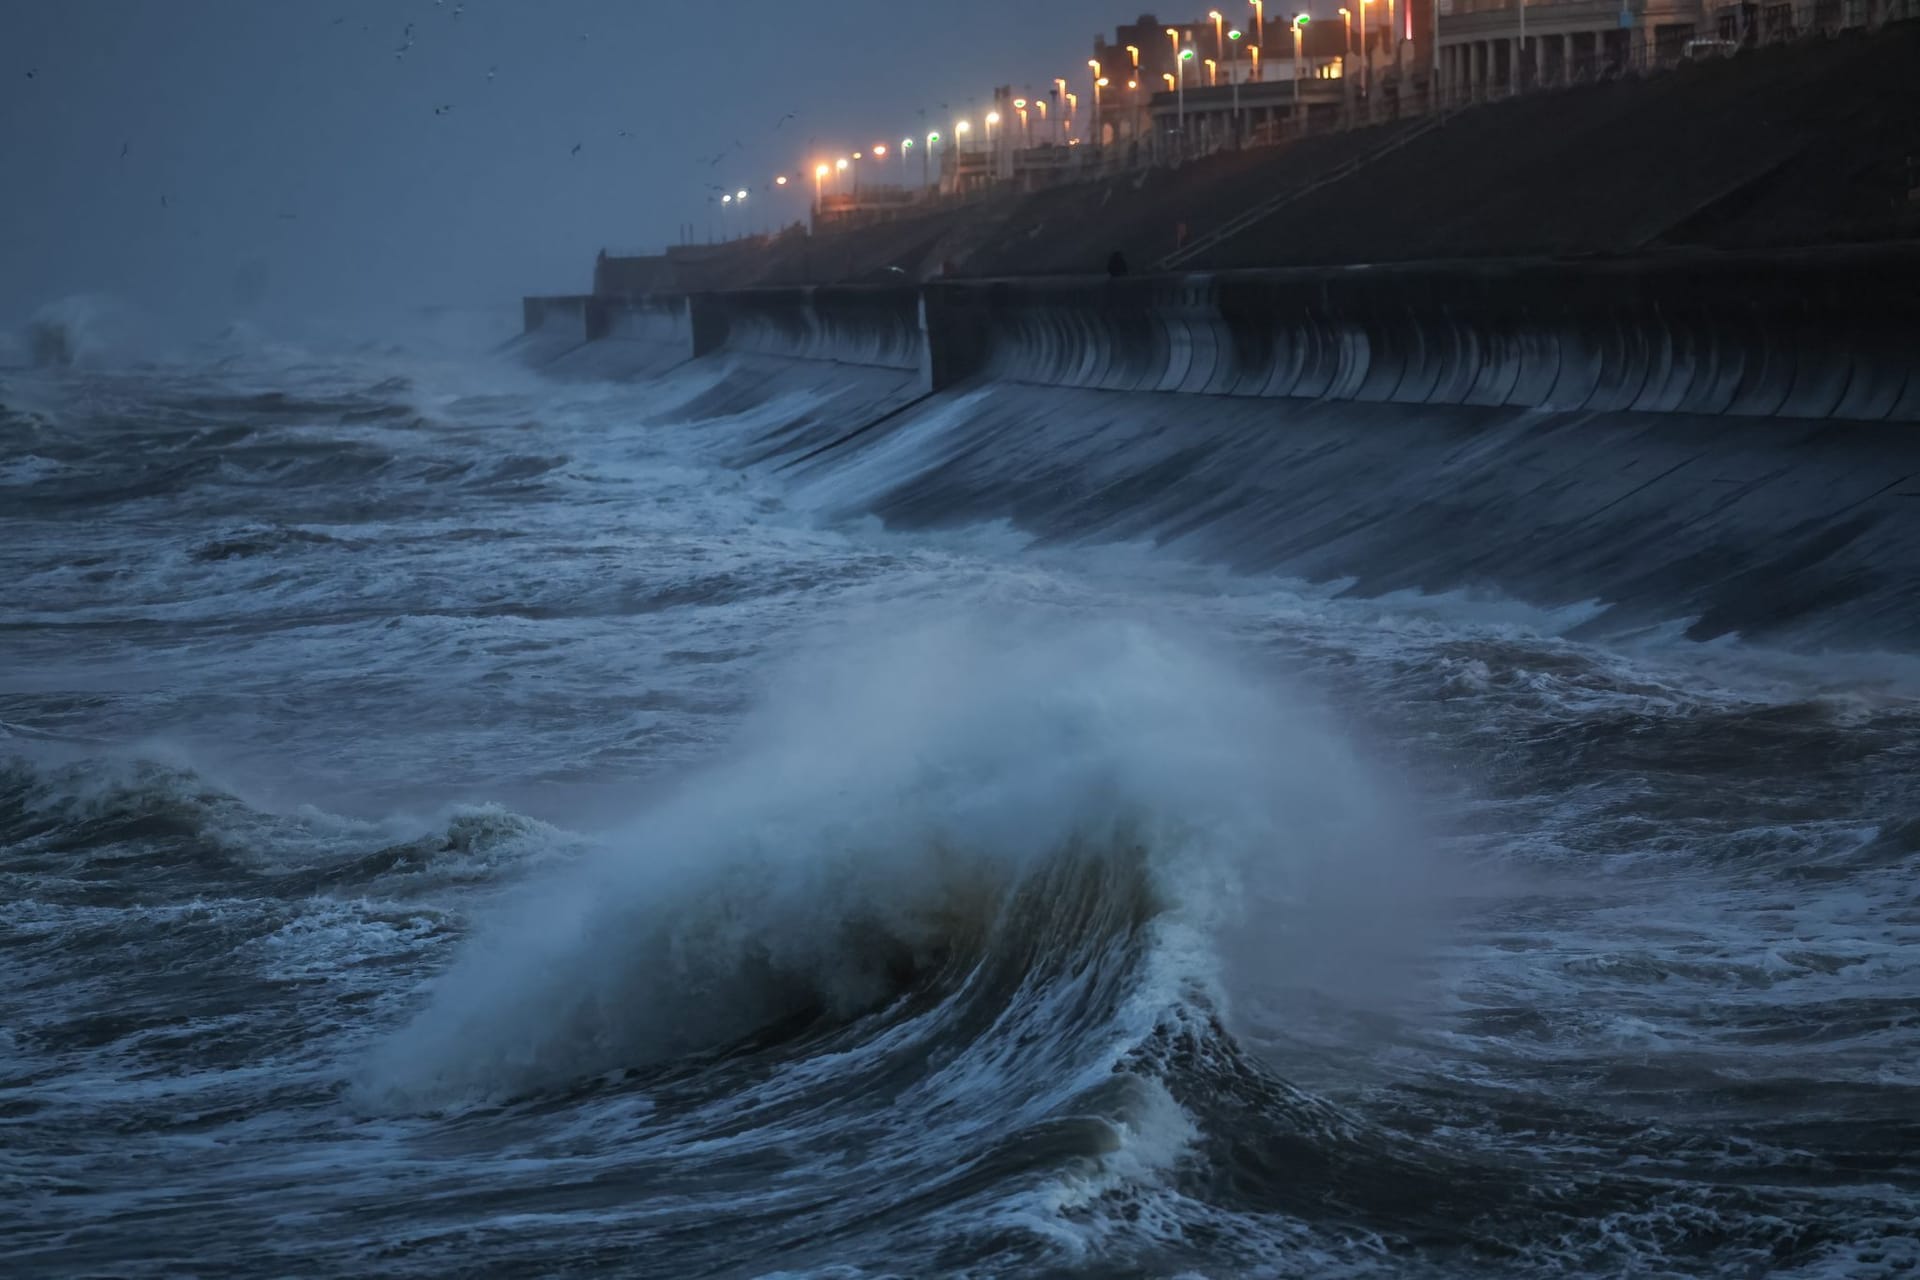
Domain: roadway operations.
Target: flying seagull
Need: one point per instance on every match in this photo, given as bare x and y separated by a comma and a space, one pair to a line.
576, 149
124, 148
783, 119
440, 111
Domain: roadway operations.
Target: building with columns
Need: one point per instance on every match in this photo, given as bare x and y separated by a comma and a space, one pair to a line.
1489, 48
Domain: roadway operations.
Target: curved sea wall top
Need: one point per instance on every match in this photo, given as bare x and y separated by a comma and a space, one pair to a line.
1828, 336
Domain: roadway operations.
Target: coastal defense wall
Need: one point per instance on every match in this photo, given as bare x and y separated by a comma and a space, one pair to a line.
878, 326
607, 337
1827, 335
1726, 444
1819, 336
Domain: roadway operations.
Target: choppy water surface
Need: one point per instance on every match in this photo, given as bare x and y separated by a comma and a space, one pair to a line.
451, 822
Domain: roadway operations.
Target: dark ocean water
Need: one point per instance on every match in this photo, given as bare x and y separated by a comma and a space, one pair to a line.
452, 822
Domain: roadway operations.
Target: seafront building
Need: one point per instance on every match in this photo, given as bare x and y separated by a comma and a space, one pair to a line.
1160, 92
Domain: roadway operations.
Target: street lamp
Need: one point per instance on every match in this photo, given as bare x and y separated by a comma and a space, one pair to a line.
1186, 56
1366, 60
1347, 16
1260, 23
1219, 35
1133, 50
1098, 81
1300, 21
1213, 71
820, 172
1233, 78
1253, 52
1173, 34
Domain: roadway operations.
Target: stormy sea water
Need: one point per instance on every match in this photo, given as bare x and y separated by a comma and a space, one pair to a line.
455, 822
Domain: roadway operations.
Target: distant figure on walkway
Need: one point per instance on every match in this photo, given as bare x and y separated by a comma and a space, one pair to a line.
1117, 264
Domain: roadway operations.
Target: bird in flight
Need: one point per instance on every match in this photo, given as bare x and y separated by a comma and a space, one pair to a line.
783, 119
124, 148
440, 111
576, 149
32, 73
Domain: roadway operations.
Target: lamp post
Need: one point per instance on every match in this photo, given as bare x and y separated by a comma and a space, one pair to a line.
1233, 78
906, 154
1260, 24
1060, 115
1253, 52
820, 172
1520, 52
1098, 80
1346, 66
1366, 60
926, 157
1180, 64
1219, 35
1300, 21
1393, 37
1173, 36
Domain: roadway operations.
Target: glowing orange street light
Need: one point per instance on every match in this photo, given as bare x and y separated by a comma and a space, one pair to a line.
1213, 71
1260, 23
1168, 77
879, 150
1347, 16
1134, 51
1253, 51
1219, 36
1173, 34
780, 181
1098, 82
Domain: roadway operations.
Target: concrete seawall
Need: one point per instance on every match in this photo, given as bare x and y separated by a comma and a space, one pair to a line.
1827, 336
1726, 445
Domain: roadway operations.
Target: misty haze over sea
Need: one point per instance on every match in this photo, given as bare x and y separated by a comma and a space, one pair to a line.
463, 820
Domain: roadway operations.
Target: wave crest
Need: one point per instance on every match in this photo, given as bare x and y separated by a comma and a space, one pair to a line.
1004, 810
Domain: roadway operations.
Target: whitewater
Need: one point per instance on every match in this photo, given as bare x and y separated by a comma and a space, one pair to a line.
456, 821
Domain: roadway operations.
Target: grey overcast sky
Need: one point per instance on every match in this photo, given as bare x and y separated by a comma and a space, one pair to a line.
273, 160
